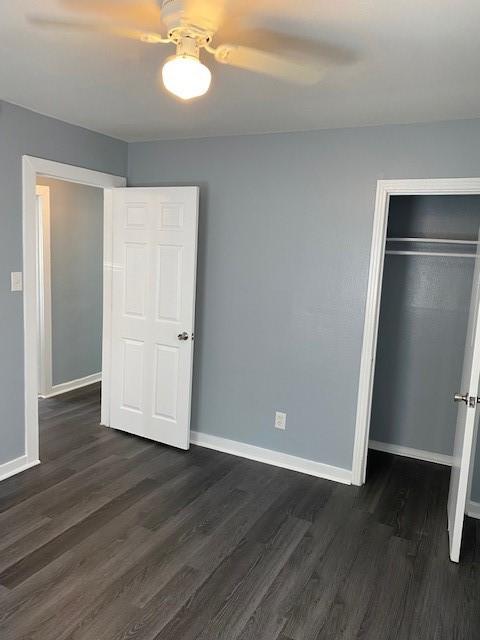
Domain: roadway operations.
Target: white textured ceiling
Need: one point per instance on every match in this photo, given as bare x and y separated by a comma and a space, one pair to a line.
398, 61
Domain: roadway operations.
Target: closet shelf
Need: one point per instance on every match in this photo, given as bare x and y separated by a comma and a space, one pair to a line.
434, 240
471, 244
430, 253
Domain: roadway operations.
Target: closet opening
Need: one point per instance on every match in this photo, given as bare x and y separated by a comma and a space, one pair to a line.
425, 378
430, 253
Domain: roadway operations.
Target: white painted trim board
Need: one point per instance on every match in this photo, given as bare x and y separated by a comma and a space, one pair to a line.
45, 290
17, 465
63, 387
408, 452
275, 458
473, 509
107, 305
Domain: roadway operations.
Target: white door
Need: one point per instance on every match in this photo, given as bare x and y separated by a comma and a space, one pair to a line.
153, 303
465, 422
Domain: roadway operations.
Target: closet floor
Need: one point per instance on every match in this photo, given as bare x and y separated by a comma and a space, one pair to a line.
115, 537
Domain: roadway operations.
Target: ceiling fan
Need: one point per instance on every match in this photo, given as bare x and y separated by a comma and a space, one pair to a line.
190, 25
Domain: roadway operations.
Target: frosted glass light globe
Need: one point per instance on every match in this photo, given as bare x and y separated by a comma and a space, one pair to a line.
186, 77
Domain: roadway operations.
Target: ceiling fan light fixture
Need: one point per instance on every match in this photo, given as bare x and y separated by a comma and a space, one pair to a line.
186, 77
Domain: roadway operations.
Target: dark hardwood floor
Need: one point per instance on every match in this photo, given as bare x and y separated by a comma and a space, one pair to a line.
113, 537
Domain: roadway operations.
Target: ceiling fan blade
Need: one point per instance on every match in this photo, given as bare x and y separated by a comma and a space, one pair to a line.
282, 43
268, 64
98, 27
207, 14
134, 12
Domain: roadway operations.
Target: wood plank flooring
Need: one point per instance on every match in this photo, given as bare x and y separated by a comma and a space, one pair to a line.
113, 537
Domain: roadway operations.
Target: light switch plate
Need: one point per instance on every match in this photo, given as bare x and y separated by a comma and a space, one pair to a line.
16, 281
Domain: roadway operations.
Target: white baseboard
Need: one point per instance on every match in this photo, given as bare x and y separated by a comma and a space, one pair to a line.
275, 458
15, 466
408, 452
57, 389
473, 509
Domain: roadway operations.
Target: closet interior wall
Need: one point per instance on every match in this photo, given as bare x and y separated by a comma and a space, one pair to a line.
423, 322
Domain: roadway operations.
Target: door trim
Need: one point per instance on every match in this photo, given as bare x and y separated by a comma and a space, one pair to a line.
45, 297
385, 189
31, 168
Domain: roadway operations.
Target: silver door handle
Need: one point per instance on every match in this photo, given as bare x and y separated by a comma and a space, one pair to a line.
183, 336
470, 401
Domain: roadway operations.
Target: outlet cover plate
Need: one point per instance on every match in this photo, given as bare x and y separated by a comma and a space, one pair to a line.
280, 420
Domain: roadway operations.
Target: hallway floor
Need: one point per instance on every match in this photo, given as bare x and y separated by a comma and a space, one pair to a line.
113, 537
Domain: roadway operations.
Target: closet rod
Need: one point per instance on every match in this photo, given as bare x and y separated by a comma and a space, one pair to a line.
433, 240
430, 253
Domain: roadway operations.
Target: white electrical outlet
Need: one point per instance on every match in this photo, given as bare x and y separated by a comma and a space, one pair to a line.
16, 283
280, 420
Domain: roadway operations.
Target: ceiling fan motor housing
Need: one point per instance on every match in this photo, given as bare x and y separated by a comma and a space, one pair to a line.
172, 12
180, 25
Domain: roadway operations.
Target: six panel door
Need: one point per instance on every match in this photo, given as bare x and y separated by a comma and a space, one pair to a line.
153, 305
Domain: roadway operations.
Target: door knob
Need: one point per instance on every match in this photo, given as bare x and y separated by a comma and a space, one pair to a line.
183, 336
470, 401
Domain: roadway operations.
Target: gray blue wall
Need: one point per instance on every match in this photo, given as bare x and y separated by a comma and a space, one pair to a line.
284, 243
76, 234
423, 323
24, 132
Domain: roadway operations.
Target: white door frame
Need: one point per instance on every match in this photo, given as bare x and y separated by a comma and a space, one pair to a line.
31, 168
385, 189
44, 292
